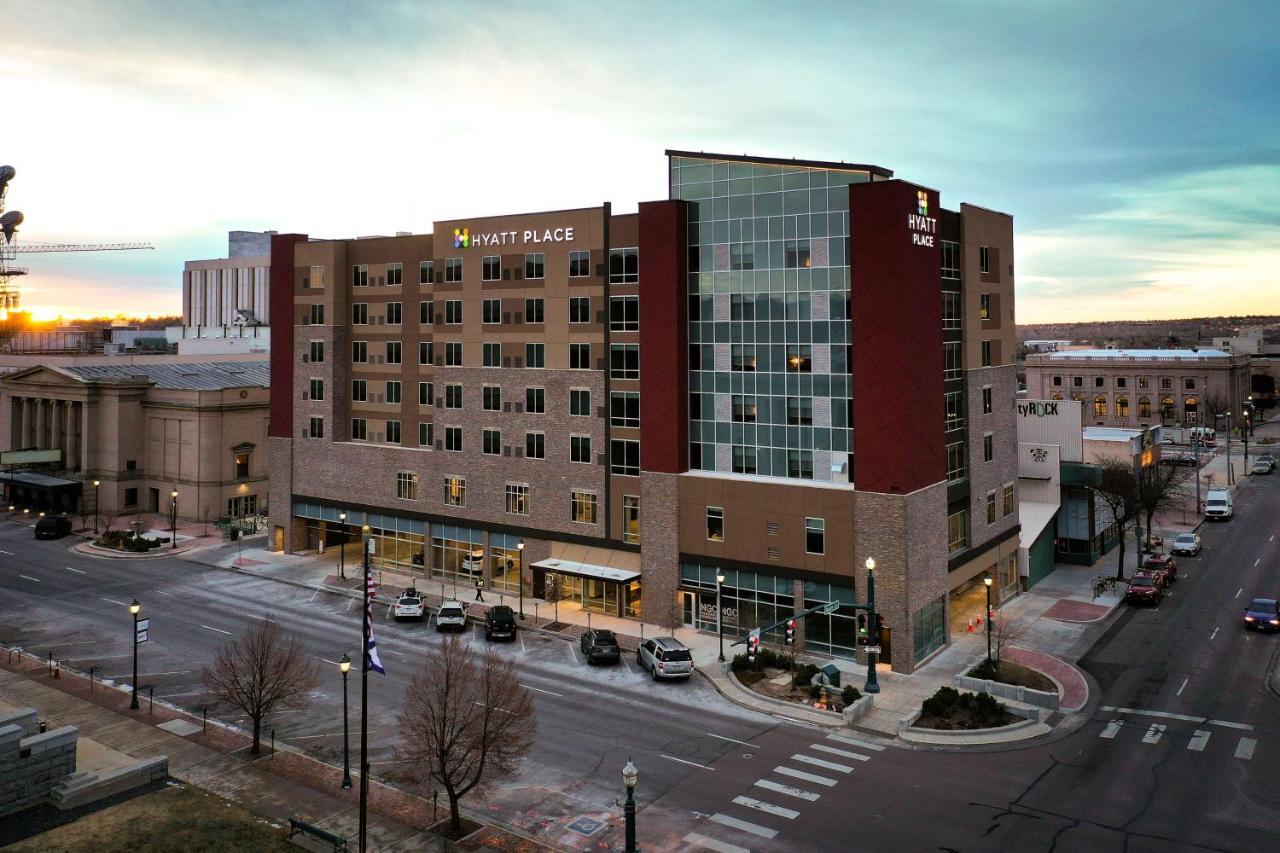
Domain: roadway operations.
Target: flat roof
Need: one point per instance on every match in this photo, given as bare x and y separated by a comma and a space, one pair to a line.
1149, 354
783, 161
1097, 433
207, 376
35, 478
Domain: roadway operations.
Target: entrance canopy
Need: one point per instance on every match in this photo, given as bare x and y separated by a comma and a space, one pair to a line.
31, 489
586, 570
598, 563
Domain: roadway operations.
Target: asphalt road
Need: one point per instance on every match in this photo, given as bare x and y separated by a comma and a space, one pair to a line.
1176, 753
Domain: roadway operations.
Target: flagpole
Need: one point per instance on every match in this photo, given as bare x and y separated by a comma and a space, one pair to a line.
364, 696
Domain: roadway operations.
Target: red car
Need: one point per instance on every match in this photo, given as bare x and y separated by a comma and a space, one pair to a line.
1162, 567
1144, 589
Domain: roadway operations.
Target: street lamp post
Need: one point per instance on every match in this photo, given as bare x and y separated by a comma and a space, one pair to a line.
1247, 413
987, 583
342, 558
630, 775
720, 612
872, 686
365, 542
96, 483
134, 609
173, 519
520, 579
345, 665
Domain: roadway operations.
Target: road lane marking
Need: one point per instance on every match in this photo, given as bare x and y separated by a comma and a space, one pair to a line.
731, 740
1154, 733
112, 601
219, 630
326, 660
818, 762
1164, 714
1238, 591
1214, 634
77, 571
1230, 725
822, 747
853, 741
28, 577
72, 643
798, 793
309, 737
1244, 749
393, 652
767, 808
1111, 729
1183, 687
151, 674
540, 690
7, 553
713, 844
754, 829
162, 592
1255, 562
682, 761
805, 777
1198, 740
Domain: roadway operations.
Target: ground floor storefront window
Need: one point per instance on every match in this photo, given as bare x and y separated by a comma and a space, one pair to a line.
928, 629
748, 600
457, 555
836, 633
504, 560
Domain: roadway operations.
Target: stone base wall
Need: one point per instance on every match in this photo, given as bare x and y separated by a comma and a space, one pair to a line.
30, 766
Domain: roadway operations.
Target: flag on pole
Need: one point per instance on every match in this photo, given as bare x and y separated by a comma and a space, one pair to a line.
372, 651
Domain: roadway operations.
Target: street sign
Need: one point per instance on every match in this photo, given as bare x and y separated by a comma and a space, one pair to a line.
829, 607
143, 625
141, 637
873, 650
754, 635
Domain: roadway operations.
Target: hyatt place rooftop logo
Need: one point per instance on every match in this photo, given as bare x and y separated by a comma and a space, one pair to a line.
461, 238
922, 203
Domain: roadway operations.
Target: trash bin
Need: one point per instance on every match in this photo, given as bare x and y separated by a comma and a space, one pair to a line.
829, 675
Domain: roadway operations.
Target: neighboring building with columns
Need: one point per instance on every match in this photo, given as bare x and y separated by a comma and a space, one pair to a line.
141, 430
781, 370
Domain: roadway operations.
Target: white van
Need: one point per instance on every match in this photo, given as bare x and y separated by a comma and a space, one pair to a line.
1217, 504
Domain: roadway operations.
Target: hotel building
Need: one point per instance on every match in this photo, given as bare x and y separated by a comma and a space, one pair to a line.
784, 368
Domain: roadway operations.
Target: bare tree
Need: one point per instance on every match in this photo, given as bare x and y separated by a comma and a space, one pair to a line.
553, 590
1117, 488
1213, 405
261, 672
465, 721
1004, 633
1161, 486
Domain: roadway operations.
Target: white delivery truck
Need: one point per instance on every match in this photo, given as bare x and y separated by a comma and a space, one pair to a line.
1217, 505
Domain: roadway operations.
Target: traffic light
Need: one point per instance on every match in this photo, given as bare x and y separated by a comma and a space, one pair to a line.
753, 645
791, 632
879, 627
862, 629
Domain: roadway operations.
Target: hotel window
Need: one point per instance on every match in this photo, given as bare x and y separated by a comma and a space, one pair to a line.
426, 394
624, 314
624, 266
955, 461
1057, 382
579, 264
580, 402
453, 270
393, 390
453, 438
742, 307
359, 429
1008, 500
744, 459
316, 389
1099, 382
950, 309
984, 306
743, 358
491, 311
535, 445
579, 356
359, 313
815, 536
799, 358
316, 317
1165, 383
533, 312
242, 465
518, 498
453, 396
393, 352
624, 457
426, 352
583, 507
744, 409
991, 507
742, 256
533, 264
427, 312
360, 275
957, 531
580, 448
796, 254
426, 272
395, 276
715, 524
579, 309
954, 402
624, 361
395, 313
535, 401
987, 406
317, 351
407, 485
360, 352
453, 354
455, 491
453, 312
1099, 406
988, 447
631, 519
316, 427
393, 432
492, 395
984, 259
535, 355
950, 259
800, 464
624, 409
491, 442
951, 365
986, 353
317, 277
1142, 382
492, 353
426, 433
800, 411
491, 268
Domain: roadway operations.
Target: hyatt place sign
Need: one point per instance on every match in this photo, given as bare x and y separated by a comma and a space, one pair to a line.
464, 239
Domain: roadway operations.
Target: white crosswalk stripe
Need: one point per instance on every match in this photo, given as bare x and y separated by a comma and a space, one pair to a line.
1198, 741
744, 826
718, 846
798, 793
1244, 749
818, 762
853, 741
1111, 729
856, 756
1154, 733
767, 808
805, 777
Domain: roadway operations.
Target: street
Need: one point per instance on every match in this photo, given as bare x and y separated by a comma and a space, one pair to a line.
1173, 754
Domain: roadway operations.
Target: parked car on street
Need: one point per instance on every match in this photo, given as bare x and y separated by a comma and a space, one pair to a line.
53, 527
1162, 567
500, 621
1186, 544
1261, 467
665, 657
1217, 505
1144, 589
1188, 459
408, 606
600, 646
1269, 459
1262, 614
452, 616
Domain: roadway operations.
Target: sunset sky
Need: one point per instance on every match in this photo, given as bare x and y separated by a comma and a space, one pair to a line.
1136, 144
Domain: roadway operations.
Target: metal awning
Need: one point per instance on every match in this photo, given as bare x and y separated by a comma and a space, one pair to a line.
38, 480
586, 570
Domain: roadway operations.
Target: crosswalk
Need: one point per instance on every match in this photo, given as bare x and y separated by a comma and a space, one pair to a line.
782, 794
1198, 740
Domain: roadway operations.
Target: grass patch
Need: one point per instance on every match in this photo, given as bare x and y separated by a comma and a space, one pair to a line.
178, 817
1008, 672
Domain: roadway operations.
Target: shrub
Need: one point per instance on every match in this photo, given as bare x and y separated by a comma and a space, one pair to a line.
850, 694
941, 703
815, 691
765, 658
987, 670
804, 675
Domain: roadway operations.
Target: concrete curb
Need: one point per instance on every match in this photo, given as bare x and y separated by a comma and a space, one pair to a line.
961, 738
820, 718
91, 550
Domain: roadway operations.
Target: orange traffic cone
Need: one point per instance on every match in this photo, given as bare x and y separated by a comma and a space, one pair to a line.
979, 621
970, 625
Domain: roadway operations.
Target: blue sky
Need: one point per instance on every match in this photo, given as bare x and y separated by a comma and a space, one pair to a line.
1136, 144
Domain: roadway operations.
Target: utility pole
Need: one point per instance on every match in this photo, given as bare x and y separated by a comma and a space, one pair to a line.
366, 542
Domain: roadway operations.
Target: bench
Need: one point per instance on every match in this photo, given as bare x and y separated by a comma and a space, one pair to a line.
296, 827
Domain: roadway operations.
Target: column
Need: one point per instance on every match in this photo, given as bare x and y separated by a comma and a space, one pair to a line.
55, 424
84, 437
19, 422
29, 422
42, 414
73, 435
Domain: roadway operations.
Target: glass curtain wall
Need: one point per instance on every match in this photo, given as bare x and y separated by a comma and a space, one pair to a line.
749, 600
835, 634
505, 562
457, 556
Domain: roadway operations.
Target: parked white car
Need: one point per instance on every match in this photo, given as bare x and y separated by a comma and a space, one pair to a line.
408, 606
452, 616
1187, 544
665, 657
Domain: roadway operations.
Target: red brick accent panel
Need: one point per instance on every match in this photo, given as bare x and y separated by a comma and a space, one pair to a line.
664, 334
280, 283
896, 306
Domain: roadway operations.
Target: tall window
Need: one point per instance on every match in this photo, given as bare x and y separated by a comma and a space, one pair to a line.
491, 268
359, 429
491, 311
455, 491
800, 411
317, 277
799, 358
950, 259
453, 270
624, 409
624, 457
393, 390
624, 266
988, 447
394, 349
395, 313
954, 405
1099, 406
395, 276
492, 395
316, 391
1122, 407
316, 427
951, 314
534, 264
631, 519
535, 445
1008, 500
407, 485
951, 364
491, 442
624, 313
518, 498
393, 432
359, 313
316, 317
453, 396
579, 309
492, 354
579, 356
580, 448
426, 433
800, 464
579, 264
317, 351
453, 439
986, 353
987, 406
984, 259
360, 275
744, 459
359, 352
815, 536
1144, 407
535, 355
426, 272
453, 312
453, 354
715, 523
535, 401
624, 361
991, 507
957, 531
984, 306
242, 465
744, 408
580, 402
426, 393
955, 461
427, 312
743, 358
534, 310
426, 352
583, 507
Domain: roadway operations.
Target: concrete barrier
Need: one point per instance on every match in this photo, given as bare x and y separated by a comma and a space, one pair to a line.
1025, 695
859, 709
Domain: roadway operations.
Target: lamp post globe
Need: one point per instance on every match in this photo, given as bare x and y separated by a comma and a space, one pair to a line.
630, 775
134, 609
520, 573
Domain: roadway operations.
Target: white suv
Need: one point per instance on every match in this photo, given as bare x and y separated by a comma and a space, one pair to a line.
451, 616
665, 657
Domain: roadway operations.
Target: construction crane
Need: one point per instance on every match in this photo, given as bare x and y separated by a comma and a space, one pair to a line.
9, 222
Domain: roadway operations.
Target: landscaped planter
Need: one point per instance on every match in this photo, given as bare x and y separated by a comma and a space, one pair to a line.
1030, 717
783, 703
1039, 698
856, 711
